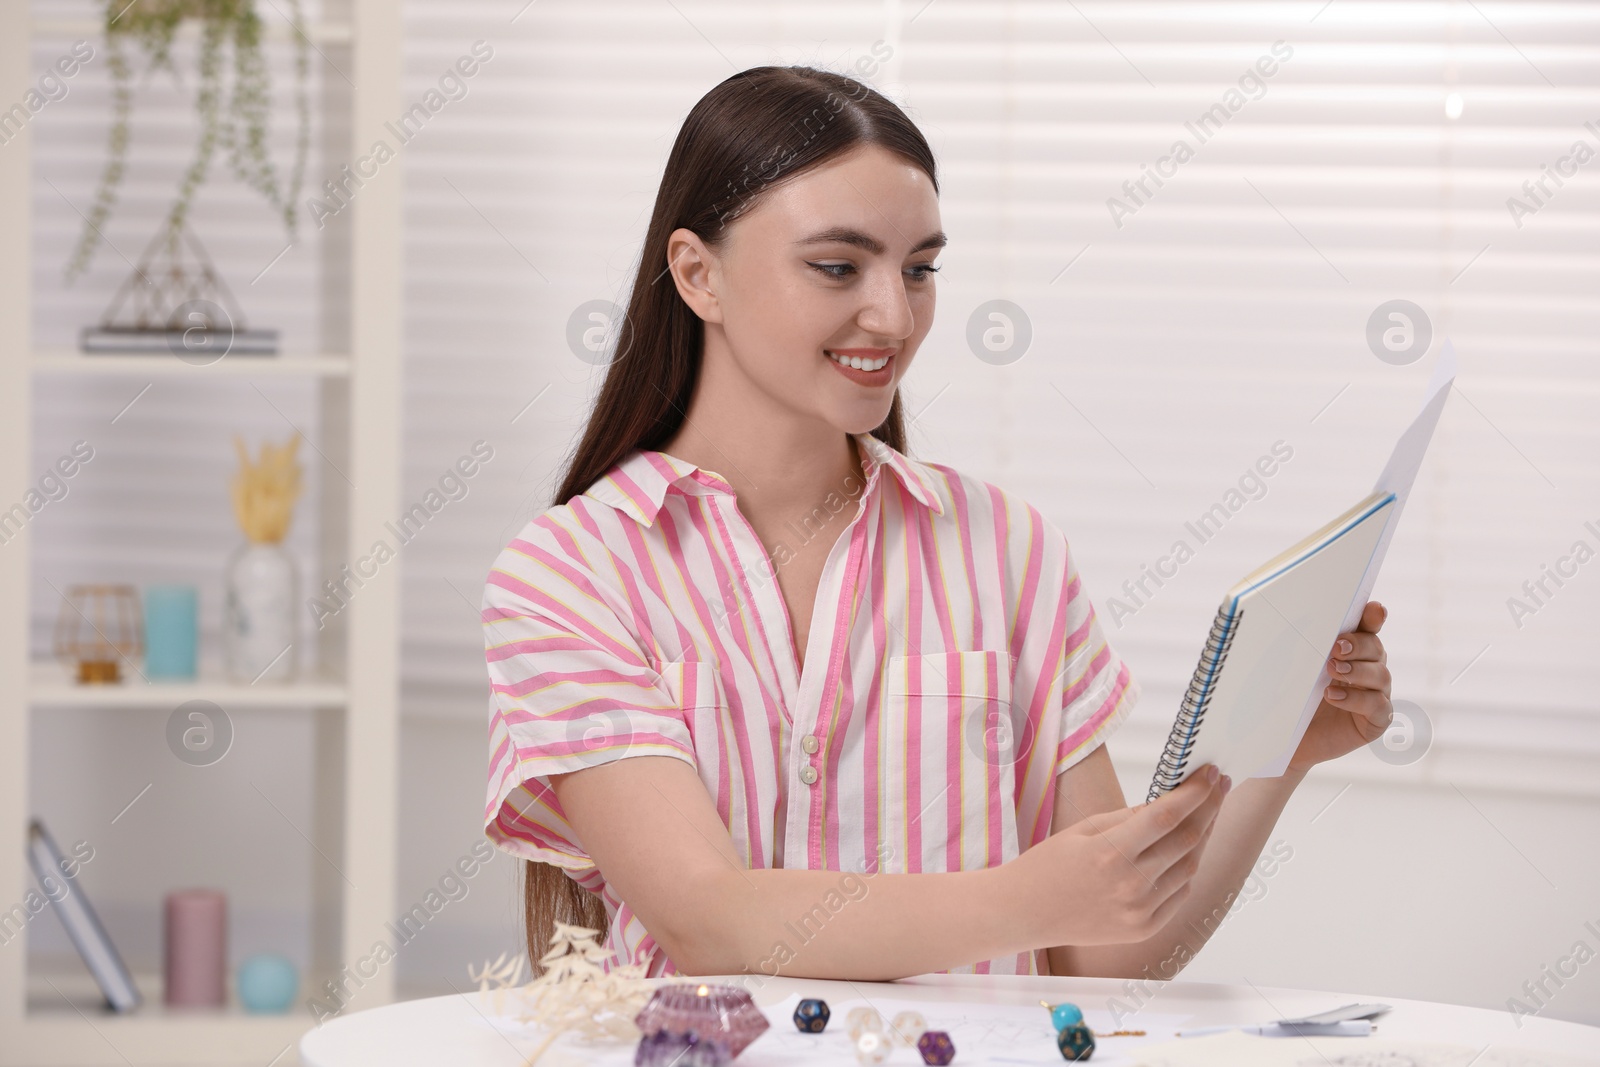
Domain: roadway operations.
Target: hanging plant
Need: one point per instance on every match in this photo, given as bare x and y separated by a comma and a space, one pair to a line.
233, 117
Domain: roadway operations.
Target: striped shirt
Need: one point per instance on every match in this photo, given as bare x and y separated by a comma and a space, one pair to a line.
953, 668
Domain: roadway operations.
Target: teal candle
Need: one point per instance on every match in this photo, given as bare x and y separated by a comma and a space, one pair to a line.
169, 631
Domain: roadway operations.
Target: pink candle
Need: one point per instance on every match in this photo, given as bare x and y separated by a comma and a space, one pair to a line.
196, 960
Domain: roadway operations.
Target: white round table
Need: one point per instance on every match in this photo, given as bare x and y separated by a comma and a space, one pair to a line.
454, 1031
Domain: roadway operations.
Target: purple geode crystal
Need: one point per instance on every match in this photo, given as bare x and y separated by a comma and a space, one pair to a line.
718, 1014
667, 1049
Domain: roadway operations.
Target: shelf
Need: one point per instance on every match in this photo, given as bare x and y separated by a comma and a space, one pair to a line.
66, 1022
48, 1016
272, 30
65, 1037
64, 361
49, 685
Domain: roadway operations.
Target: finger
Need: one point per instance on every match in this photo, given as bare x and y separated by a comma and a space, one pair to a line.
1359, 674
1102, 821
1187, 838
1161, 816
1372, 617
1169, 907
1357, 645
1183, 868
1369, 704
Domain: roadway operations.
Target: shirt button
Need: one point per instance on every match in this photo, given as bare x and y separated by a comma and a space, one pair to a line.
808, 775
809, 743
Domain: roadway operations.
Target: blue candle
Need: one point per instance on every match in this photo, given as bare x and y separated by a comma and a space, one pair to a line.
169, 631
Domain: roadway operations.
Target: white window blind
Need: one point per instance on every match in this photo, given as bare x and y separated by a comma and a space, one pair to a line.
1226, 313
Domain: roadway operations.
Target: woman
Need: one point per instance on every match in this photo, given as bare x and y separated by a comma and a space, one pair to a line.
771, 696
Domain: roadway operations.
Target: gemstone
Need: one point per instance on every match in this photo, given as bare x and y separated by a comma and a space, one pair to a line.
667, 1049
1075, 1042
1065, 1015
872, 1047
719, 1013
936, 1047
907, 1027
811, 1015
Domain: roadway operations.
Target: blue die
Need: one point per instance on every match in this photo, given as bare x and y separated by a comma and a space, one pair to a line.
1075, 1042
811, 1015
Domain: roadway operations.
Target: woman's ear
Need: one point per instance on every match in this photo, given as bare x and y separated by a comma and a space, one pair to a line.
694, 272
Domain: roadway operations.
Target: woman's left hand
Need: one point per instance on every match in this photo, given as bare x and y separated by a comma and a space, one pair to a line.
1355, 708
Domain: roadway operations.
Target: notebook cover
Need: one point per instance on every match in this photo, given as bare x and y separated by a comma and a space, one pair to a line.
82, 924
1285, 623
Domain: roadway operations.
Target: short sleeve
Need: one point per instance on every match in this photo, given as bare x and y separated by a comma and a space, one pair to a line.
569, 688
1098, 689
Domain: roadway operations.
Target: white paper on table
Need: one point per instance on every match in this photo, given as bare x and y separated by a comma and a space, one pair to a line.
1397, 478
1021, 1034
1001, 1034
1238, 1049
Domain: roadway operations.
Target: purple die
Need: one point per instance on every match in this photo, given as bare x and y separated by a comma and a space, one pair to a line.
811, 1015
936, 1047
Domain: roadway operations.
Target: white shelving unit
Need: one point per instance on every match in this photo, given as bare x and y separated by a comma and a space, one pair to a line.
50, 686
323, 366
53, 1018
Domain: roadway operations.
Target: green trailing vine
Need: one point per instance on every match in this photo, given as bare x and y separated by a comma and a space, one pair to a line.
233, 117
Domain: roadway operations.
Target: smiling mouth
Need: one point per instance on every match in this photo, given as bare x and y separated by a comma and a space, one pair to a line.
858, 362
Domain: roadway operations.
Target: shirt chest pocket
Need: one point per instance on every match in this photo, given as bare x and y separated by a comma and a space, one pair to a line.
949, 742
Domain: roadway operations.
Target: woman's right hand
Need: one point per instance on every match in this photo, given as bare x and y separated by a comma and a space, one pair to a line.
1118, 876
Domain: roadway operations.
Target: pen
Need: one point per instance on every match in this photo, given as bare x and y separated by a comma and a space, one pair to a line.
1347, 1028
1349, 1011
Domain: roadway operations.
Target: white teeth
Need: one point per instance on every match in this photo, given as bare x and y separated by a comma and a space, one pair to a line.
857, 363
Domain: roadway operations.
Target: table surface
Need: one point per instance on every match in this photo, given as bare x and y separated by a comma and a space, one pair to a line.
451, 1029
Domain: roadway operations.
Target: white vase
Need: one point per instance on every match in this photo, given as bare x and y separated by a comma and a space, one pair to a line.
258, 624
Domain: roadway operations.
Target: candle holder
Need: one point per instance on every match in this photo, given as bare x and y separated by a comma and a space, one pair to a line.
97, 628
721, 1013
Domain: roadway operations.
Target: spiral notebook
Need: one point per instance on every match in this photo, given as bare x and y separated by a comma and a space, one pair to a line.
1264, 665
58, 881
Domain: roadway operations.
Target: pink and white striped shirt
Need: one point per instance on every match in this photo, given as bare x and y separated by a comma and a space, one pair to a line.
954, 667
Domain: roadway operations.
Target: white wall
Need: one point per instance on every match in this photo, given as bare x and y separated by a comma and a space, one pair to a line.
1417, 891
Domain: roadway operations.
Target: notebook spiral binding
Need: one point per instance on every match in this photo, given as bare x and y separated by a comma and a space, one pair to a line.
1180, 742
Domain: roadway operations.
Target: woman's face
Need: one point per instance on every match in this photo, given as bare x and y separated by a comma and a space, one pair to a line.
833, 262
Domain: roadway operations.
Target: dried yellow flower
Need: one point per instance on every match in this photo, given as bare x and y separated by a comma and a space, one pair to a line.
264, 492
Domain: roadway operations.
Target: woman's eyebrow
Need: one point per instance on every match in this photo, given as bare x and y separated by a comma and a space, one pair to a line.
867, 242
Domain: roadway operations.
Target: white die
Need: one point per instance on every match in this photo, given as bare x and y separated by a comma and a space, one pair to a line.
872, 1048
907, 1027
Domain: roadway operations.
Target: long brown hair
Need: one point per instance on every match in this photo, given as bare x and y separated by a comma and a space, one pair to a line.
760, 127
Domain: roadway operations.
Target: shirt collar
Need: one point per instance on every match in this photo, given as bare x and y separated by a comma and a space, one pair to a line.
639, 483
